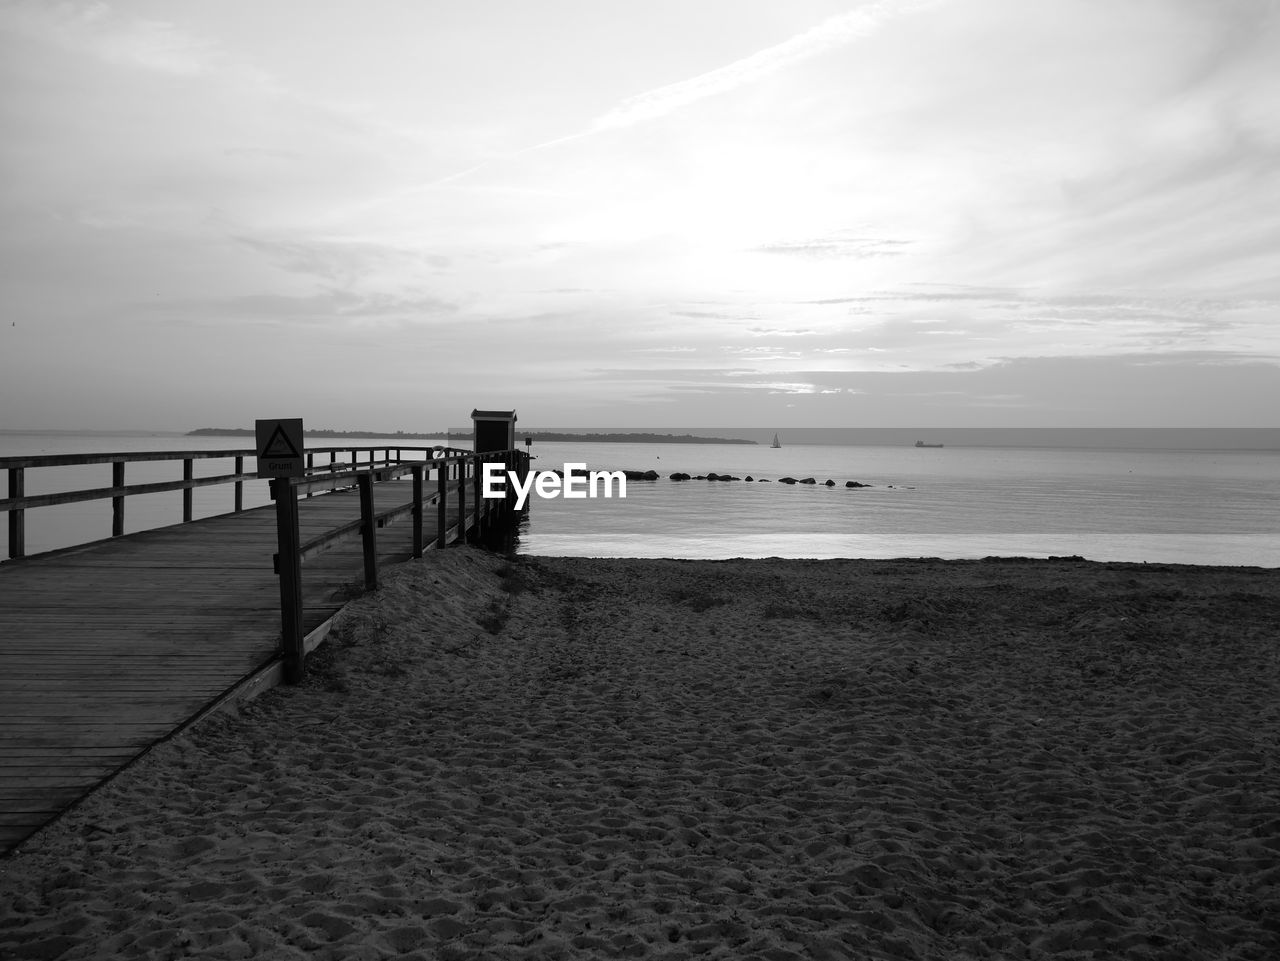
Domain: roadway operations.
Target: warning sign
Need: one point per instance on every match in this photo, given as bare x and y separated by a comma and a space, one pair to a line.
280, 447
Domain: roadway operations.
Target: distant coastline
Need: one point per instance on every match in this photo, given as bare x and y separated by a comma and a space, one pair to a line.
249, 432
543, 436
1258, 439
551, 436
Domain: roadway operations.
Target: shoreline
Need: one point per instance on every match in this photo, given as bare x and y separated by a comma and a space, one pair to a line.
555, 757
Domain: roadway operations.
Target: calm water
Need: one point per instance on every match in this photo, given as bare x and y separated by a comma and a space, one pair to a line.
1197, 507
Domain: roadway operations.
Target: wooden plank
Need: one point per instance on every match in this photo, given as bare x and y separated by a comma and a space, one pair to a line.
152, 709
33, 803
18, 753
34, 784
111, 675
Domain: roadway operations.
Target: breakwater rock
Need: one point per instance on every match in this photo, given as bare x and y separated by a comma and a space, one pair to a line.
651, 475
809, 480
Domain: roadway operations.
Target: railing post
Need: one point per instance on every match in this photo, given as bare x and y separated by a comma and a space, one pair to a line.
290, 570
239, 505
311, 462
462, 500
417, 510
508, 464
188, 473
17, 523
368, 531
442, 479
475, 490
117, 503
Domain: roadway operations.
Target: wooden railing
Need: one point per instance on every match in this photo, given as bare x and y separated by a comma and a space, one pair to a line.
459, 474
18, 502
456, 472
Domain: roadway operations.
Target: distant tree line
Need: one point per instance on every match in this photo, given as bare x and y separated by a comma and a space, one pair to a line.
249, 432
622, 438
543, 436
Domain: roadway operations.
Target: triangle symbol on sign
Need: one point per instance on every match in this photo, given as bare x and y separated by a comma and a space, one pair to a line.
279, 445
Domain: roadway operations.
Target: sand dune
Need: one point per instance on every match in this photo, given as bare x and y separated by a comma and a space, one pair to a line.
572, 758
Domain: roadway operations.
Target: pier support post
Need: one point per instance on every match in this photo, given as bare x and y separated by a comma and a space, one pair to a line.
509, 466
522, 468
368, 531
117, 503
239, 503
462, 500
291, 648
417, 510
17, 522
188, 473
477, 468
442, 475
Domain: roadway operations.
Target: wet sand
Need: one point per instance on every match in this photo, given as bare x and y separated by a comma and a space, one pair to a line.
774, 759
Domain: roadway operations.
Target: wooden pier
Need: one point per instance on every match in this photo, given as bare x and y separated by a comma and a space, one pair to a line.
109, 647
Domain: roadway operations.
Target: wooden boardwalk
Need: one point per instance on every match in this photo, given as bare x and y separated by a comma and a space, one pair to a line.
109, 647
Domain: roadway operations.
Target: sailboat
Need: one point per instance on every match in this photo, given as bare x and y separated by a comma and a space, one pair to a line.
776, 443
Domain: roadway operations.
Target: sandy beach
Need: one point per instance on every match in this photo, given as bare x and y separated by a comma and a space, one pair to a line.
751, 759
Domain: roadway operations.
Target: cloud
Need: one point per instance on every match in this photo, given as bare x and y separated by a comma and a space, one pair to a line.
838, 246
332, 307
779, 332
1130, 390
705, 315
343, 261
155, 45
776, 211
659, 102
828, 35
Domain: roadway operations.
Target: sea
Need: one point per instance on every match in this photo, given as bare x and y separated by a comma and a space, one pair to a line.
1217, 506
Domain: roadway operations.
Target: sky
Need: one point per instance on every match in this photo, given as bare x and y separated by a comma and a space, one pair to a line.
951, 213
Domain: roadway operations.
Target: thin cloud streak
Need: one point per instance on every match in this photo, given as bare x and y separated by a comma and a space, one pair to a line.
654, 104
832, 33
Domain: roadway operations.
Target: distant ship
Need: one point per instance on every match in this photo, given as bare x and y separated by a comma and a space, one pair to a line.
776, 442
921, 443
